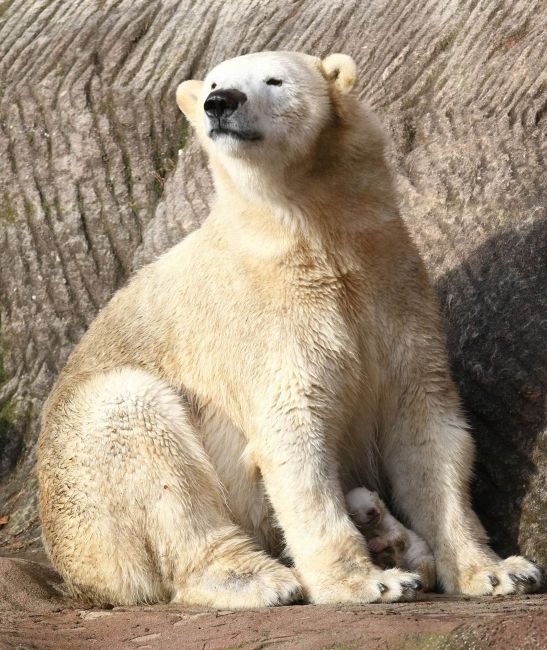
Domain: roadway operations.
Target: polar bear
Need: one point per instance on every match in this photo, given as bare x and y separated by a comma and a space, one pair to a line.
389, 542
286, 352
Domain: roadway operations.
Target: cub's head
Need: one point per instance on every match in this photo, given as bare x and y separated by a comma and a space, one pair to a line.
268, 108
366, 507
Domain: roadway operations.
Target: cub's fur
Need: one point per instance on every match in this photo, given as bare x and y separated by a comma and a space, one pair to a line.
295, 330
389, 542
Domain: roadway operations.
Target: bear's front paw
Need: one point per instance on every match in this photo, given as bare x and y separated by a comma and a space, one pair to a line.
515, 575
365, 585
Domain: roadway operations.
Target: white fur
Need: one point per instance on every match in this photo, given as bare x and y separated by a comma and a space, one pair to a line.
287, 117
284, 353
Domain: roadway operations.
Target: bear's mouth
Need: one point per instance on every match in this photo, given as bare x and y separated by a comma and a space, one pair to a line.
247, 136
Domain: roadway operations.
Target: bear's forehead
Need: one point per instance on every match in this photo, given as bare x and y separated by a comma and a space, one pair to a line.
367, 498
260, 65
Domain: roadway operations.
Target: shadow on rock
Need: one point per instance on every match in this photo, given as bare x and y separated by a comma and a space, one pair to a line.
495, 311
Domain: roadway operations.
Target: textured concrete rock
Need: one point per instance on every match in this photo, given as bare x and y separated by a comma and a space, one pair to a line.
98, 175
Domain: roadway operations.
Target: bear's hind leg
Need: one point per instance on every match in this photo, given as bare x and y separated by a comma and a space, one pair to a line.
132, 508
428, 456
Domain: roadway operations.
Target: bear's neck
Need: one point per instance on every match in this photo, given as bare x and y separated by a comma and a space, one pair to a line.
317, 204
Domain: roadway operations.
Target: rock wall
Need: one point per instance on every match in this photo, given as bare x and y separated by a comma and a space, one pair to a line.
98, 174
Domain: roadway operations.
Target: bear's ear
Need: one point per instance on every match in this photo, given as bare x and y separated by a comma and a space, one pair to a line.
188, 94
340, 70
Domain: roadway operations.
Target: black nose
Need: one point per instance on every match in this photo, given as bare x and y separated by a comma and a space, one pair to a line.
222, 103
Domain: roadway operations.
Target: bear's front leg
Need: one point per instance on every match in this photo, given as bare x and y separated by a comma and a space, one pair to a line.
295, 454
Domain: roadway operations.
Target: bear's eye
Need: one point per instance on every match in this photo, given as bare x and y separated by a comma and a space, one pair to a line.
213, 86
274, 82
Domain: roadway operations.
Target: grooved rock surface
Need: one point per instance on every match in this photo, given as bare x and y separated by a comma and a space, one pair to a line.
98, 175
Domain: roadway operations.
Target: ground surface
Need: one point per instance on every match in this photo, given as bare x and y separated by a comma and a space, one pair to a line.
35, 614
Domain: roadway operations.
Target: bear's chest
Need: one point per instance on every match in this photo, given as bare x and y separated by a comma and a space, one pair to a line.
294, 329
316, 327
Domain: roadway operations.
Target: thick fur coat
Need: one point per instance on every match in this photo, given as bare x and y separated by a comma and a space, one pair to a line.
288, 351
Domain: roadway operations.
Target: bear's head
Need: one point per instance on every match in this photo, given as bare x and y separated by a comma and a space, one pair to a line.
268, 116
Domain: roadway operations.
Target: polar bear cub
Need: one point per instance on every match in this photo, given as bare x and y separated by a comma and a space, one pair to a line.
295, 330
390, 543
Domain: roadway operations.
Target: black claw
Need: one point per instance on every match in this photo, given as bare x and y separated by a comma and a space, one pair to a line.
295, 594
542, 577
415, 584
493, 581
382, 587
528, 579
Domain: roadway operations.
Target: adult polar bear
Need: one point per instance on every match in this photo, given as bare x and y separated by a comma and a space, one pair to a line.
287, 351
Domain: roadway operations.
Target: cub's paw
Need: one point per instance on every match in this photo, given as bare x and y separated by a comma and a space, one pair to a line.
367, 586
515, 575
